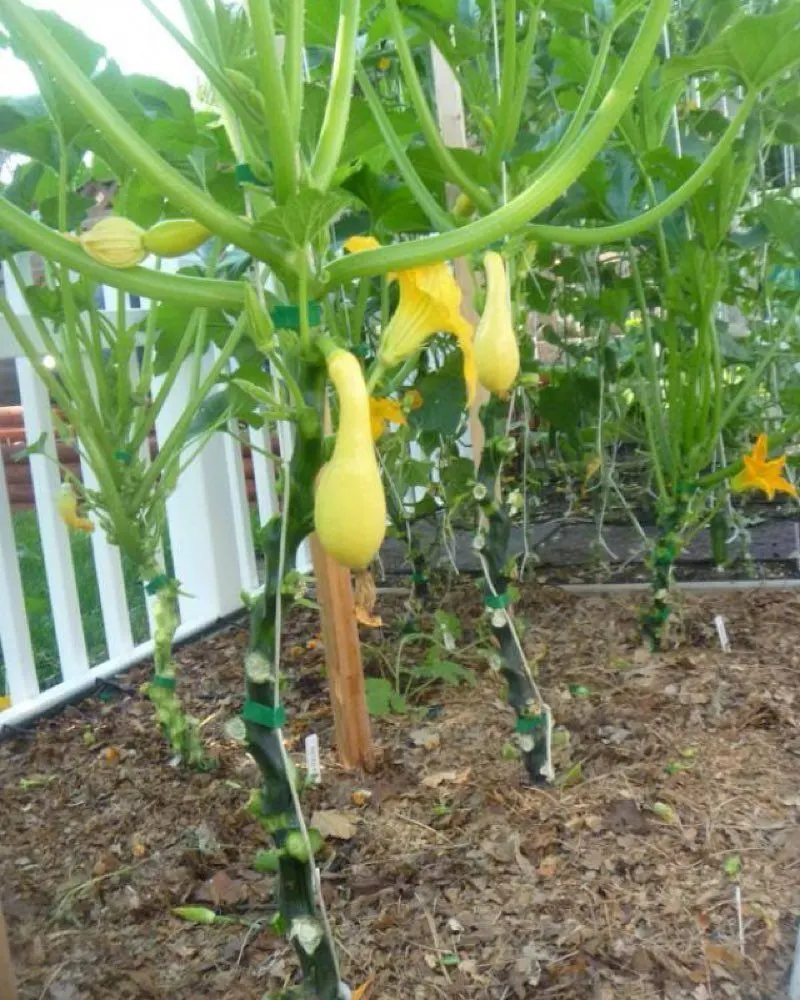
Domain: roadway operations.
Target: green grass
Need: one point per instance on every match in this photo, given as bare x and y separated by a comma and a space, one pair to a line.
37, 600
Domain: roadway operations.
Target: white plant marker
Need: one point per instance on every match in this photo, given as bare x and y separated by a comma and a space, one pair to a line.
722, 634
313, 765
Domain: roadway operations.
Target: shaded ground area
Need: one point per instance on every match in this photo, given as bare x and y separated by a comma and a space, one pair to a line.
448, 878
569, 550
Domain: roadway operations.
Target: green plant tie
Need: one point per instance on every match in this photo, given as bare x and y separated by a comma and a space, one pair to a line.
360, 350
496, 601
288, 317
161, 681
157, 583
263, 715
664, 554
530, 723
125, 457
419, 578
243, 174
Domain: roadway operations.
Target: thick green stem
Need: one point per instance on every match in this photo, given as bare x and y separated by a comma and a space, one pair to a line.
337, 109
176, 439
621, 231
672, 522
278, 809
283, 148
549, 184
654, 410
293, 70
514, 115
100, 113
138, 280
427, 123
533, 724
180, 729
505, 126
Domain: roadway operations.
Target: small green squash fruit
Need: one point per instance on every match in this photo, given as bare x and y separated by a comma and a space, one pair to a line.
175, 237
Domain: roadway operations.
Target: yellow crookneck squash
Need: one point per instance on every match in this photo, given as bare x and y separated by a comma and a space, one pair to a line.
496, 349
349, 506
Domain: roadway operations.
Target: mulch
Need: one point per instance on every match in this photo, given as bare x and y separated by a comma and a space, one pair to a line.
666, 865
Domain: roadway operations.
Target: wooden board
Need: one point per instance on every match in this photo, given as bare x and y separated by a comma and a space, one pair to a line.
343, 660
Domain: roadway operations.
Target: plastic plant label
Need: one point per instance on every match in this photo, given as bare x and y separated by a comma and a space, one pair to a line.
313, 765
722, 633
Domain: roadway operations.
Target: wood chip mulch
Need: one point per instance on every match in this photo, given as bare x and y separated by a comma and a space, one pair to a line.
667, 866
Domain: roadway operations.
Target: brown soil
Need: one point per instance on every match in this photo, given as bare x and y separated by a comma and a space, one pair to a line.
456, 881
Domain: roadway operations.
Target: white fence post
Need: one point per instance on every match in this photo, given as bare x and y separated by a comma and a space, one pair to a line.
110, 583
242, 527
452, 124
264, 473
58, 563
200, 515
15, 635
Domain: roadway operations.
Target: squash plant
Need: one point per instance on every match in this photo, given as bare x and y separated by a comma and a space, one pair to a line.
280, 147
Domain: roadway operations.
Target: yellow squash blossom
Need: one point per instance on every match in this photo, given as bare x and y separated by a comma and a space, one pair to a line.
115, 242
496, 350
383, 411
761, 474
430, 302
67, 506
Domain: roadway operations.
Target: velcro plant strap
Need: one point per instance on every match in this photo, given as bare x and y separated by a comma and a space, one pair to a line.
157, 583
123, 456
264, 715
288, 317
243, 174
419, 578
530, 723
496, 602
161, 681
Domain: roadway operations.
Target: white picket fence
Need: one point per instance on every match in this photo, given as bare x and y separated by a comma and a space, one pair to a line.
210, 537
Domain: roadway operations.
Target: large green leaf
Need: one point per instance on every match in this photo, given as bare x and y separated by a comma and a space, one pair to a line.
307, 214
444, 398
26, 128
757, 48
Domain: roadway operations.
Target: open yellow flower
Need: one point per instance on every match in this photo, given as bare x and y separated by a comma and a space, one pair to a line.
383, 411
430, 302
67, 506
760, 474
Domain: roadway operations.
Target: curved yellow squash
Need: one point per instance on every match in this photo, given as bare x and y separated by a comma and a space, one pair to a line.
496, 350
349, 506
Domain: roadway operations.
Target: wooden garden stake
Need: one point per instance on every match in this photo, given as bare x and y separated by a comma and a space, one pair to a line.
8, 989
337, 613
343, 660
452, 125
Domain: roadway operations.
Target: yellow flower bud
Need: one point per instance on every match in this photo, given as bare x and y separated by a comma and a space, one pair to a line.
175, 237
496, 350
463, 207
115, 242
